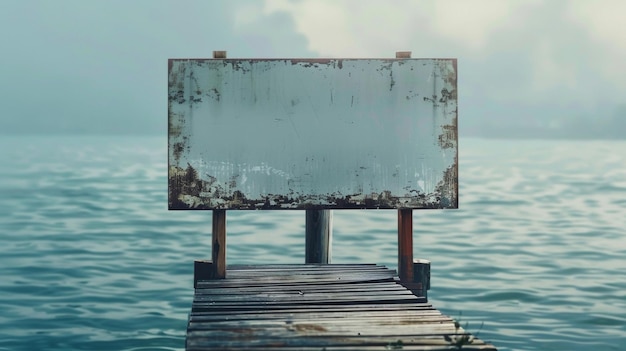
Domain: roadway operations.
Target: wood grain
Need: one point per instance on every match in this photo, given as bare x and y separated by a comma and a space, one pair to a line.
316, 307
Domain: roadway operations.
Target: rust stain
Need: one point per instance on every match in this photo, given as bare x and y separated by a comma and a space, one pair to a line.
448, 188
310, 62
450, 75
183, 182
178, 150
447, 95
177, 96
238, 65
451, 78
448, 139
188, 190
170, 64
174, 75
173, 130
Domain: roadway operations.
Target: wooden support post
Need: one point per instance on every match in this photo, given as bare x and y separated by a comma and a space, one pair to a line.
219, 244
202, 270
405, 227
217, 268
318, 237
421, 277
405, 245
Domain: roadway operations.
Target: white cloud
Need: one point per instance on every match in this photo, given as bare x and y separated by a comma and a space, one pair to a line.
550, 50
605, 23
359, 27
471, 23
329, 28
605, 20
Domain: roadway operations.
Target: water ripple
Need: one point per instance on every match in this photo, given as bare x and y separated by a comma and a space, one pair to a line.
91, 258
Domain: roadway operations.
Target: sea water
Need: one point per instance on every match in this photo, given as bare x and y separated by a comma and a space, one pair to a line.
90, 258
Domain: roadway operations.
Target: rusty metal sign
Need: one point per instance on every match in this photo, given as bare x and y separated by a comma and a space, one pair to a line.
312, 133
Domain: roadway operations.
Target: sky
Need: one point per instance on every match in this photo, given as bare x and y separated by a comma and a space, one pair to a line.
526, 67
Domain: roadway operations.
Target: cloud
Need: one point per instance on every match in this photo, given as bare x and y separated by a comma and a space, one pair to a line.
268, 34
604, 24
557, 53
369, 28
101, 66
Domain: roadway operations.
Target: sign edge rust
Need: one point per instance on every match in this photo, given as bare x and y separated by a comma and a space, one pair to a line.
184, 185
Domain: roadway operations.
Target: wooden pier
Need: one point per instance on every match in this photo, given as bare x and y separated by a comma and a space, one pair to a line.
314, 135
317, 307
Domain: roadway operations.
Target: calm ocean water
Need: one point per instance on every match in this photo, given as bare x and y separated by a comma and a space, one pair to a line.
92, 260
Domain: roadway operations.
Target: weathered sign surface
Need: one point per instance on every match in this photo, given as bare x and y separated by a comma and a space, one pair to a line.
312, 133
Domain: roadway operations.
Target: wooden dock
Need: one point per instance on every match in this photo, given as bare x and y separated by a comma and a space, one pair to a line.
317, 307
303, 134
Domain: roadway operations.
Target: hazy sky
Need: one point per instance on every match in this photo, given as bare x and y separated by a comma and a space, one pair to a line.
101, 66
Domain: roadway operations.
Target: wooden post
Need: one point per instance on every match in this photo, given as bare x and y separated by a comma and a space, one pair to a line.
216, 267
202, 270
318, 237
421, 277
219, 244
405, 245
405, 228
218, 241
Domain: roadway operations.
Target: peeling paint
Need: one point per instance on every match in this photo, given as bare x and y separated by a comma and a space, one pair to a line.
188, 191
447, 189
312, 133
448, 139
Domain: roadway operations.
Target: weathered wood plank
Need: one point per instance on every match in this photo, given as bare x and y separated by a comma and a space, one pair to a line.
245, 339
300, 294
362, 305
313, 307
397, 345
319, 316
363, 309
354, 288
304, 283
309, 266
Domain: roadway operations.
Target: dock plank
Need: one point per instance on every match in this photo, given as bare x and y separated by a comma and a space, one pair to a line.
316, 307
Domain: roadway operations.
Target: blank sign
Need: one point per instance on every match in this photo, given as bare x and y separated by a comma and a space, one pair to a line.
312, 134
